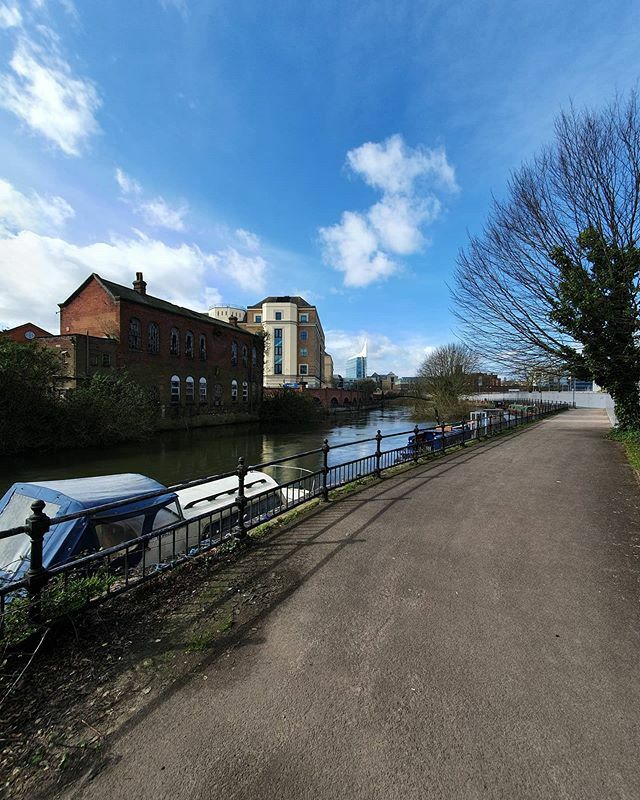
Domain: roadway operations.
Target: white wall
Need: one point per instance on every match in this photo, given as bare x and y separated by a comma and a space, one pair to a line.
582, 399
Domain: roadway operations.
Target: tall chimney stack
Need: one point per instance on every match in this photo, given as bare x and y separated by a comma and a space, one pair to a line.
139, 284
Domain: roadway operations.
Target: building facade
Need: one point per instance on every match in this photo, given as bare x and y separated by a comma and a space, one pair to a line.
24, 333
357, 365
386, 382
190, 363
81, 356
294, 344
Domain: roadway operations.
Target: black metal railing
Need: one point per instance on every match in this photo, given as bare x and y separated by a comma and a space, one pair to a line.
46, 593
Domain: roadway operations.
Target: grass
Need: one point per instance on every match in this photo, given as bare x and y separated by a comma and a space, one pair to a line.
631, 443
199, 641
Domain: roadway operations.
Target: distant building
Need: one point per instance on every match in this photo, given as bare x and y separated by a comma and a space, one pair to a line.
26, 332
386, 382
328, 370
485, 382
357, 365
406, 384
294, 347
190, 363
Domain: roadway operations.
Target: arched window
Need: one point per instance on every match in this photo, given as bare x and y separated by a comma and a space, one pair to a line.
189, 389
234, 353
217, 394
175, 389
188, 344
153, 343
245, 392
254, 356
203, 347
203, 390
234, 391
174, 346
245, 356
134, 334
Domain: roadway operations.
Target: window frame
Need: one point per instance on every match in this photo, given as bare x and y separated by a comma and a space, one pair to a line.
135, 334
174, 342
175, 388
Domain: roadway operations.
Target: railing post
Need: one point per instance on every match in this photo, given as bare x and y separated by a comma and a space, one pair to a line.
463, 422
444, 445
325, 470
241, 500
416, 431
378, 453
37, 576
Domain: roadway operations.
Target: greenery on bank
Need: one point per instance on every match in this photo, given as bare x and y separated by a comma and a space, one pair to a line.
631, 442
290, 407
36, 415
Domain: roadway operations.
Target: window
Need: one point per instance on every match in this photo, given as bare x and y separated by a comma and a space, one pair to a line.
106, 359
234, 391
304, 369
134, 334
188, 345
304, 335
254, 356
277, 351
304, 351
278, 315
174, 346
203, 390
190, 389
93, 360
304, 318
175, 389
217, 394
203, 347
245, 355
257, 317
234, 353
153, 338
245, 392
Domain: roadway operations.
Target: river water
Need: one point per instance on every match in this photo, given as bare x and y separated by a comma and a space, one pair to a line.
175, 456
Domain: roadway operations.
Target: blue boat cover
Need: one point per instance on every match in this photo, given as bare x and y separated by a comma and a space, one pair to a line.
75, 536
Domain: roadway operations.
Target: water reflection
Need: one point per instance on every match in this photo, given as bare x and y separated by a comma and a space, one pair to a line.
182, 455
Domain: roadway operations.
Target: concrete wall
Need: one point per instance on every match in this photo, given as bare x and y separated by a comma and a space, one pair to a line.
582, 399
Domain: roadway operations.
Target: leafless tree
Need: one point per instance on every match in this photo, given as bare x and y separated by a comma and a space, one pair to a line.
445, 375
509, 278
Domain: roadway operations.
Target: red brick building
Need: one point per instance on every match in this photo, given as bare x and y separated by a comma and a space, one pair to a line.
25, 333
191, 363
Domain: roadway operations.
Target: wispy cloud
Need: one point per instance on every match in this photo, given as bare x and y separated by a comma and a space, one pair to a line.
363, 244
43, 92
155, 212
10, 16
18, 211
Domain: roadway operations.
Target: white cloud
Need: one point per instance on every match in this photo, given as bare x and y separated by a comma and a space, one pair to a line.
248, 271
40, 271
248, 239
156, 212
351, 246
127, 185
362, 244
44, 214
43, 92
10, 16
159, 214
402, 355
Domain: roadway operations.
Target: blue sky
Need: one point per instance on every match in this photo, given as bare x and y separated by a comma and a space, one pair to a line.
230, 150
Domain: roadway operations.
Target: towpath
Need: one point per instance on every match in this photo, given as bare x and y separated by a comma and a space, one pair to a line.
470, 629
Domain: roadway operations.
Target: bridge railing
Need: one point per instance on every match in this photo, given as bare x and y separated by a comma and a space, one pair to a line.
46, 593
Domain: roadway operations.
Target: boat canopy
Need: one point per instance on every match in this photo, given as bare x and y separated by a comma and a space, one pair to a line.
68, 539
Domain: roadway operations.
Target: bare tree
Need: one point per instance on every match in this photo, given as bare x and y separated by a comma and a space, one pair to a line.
533, 291
445, 375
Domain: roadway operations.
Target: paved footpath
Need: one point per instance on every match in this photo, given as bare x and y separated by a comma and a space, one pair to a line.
470, 629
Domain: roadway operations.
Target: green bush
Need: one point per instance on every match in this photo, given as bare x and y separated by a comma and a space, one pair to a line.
291, 407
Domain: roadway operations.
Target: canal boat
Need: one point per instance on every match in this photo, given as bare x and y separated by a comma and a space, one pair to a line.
432, 440
208, 512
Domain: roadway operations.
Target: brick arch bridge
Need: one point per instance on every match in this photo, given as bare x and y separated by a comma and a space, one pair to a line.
339, 398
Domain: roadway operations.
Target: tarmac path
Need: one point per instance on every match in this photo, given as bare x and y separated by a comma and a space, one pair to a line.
470, 629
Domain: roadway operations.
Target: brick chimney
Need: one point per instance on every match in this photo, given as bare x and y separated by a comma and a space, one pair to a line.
139, 284
233, 320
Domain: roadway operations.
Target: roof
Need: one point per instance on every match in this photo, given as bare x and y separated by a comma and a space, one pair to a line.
29, 326
119, 292
296, 299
